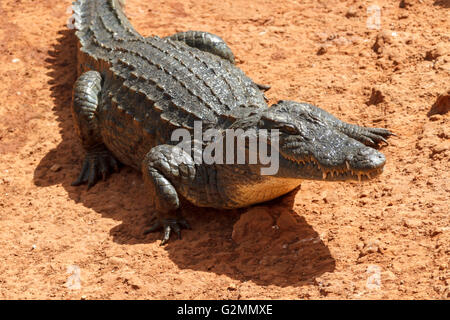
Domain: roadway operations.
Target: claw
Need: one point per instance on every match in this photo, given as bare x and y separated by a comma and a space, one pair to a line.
369, 142
157, 225
184, 224
103, 169
97, 163
177, 230
167, 230
382, 132
92, 179
114, 164
168, 226
383, 139
82, 177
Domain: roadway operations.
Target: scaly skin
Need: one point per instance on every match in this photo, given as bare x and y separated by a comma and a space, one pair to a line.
133, 92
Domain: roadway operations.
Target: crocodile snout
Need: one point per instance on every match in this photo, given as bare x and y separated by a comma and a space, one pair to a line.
366, 158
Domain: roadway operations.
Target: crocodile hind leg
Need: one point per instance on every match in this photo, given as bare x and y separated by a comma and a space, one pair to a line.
164, 167
205, 41
211, 43
99, 161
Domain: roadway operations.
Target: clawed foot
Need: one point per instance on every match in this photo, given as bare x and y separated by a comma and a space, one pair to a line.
175, 224
97, 163
373, 136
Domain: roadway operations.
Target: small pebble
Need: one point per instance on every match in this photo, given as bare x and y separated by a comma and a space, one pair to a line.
232, 287
436, 52
412, 223
377, 96
322, 50
352, 12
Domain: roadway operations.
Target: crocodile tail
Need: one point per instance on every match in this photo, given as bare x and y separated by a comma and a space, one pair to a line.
99, 24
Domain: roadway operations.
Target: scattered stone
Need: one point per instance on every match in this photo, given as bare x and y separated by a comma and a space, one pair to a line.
442, 63
440, 147
83, 297
15, 60
369, 247
132, 280
436, 117
412, 223
442, 104
232, 287
436, 52
376, 96
442, 3
279, 55
410, 40
405, 4
55, 167
322, 50
351, 12
330, 196
372, 246
389, 276
383, 38
117, 262
436, 231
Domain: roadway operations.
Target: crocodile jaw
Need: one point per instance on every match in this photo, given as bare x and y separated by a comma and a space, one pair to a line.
311, 169
362, 165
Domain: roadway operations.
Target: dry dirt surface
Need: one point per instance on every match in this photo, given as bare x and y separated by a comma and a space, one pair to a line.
384, 239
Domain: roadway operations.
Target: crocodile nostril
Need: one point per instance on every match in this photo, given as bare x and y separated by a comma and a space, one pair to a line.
377, 159
366, 158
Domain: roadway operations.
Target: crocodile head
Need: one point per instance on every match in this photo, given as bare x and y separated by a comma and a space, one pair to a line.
311, 146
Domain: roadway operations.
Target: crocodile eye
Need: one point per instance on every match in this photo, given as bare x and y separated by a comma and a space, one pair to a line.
288, 128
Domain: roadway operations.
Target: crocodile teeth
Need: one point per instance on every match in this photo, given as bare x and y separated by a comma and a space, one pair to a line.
347, 164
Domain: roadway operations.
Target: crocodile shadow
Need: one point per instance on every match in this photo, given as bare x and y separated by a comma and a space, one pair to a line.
442, 3
271, 256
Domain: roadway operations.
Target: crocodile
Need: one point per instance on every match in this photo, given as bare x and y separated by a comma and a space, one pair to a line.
133, 92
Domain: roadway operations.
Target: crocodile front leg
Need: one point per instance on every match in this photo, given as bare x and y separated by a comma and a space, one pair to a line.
164, 167
98, 161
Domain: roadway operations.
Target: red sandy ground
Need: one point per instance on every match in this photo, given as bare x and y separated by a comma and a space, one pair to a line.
386, 239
